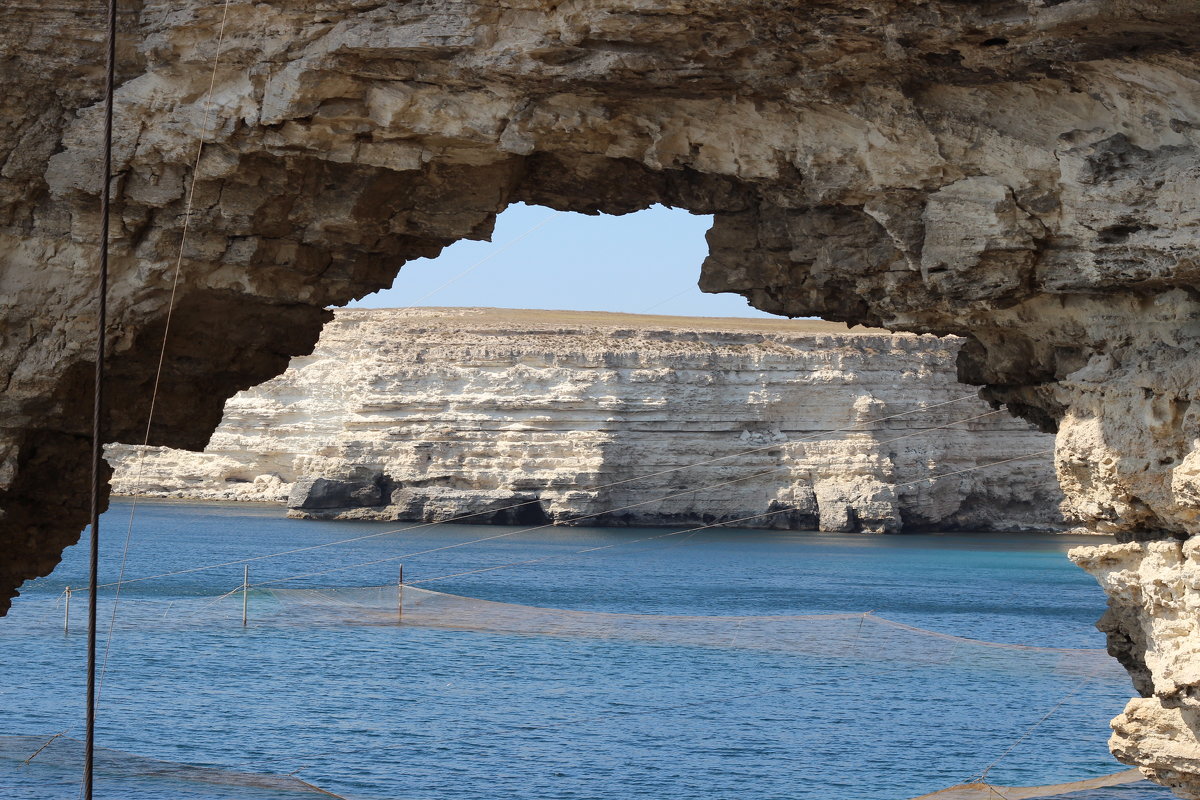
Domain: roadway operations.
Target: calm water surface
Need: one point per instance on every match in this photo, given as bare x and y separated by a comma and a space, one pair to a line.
383, 713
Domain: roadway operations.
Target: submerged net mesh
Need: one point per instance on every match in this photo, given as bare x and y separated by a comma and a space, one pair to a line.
1093, 787
859, 636
35, 762
64, 757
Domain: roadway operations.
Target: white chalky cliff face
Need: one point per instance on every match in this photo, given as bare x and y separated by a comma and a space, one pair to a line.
438, 413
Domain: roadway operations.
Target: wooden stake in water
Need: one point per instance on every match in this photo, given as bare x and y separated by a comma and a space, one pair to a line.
67, 613
245, 592
400, 595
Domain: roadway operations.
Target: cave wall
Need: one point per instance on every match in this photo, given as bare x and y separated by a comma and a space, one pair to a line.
1020, 172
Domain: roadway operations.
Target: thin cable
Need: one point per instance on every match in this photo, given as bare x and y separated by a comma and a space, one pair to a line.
212, 602
983, 775
653, 306
89, 743
774, 446
46, 744
187, 215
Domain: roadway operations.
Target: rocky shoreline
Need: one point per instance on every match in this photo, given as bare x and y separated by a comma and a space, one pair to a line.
523, 417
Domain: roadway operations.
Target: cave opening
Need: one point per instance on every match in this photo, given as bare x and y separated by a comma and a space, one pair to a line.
643, 262
628, 268
533, 513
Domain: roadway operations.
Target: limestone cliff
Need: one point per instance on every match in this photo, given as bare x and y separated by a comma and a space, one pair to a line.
1023, 173
438, 413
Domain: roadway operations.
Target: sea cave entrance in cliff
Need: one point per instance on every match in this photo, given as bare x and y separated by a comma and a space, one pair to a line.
645, 265
597, 265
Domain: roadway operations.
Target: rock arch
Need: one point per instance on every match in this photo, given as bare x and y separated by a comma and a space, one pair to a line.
1021, 172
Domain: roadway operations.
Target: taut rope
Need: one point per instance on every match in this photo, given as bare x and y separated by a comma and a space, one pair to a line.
98, 400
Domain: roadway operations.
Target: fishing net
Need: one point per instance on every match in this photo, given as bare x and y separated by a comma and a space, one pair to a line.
33, 764
1102, 788
836, 636
36, 763
822, 639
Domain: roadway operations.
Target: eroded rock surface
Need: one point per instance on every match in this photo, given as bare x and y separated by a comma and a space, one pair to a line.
498, 416
1020, 172
1153, 627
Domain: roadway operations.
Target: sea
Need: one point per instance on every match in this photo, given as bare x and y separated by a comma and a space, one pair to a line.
194, 704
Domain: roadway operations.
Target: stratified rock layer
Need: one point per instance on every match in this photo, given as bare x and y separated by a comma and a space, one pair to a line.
615, 419
1020, 172
1153, 627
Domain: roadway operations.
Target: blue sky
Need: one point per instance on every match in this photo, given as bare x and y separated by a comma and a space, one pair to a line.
646, 262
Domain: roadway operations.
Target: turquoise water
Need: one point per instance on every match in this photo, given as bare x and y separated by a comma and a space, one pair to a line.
389, 712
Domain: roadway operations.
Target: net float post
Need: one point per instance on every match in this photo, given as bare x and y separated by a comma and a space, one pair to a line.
245, 592
400, 594
67, 612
